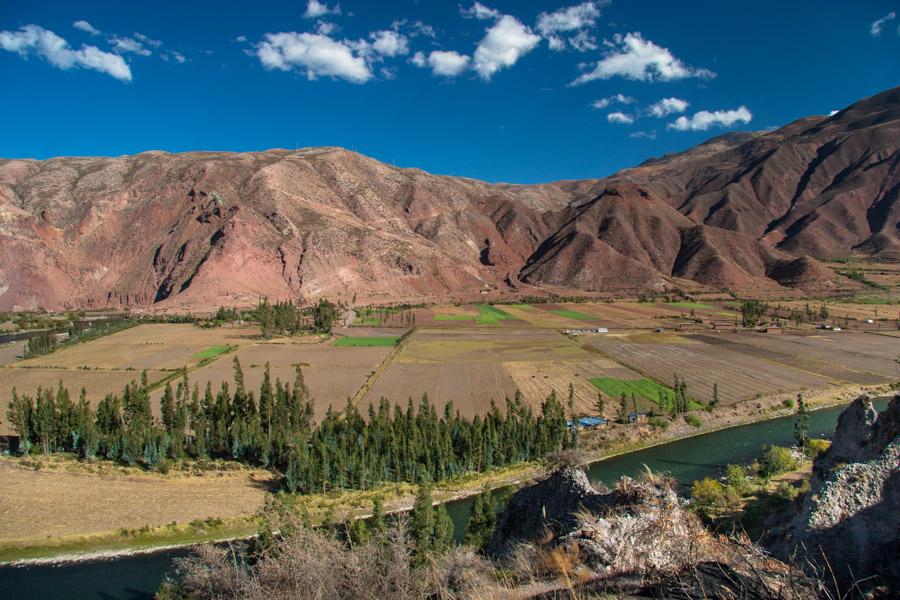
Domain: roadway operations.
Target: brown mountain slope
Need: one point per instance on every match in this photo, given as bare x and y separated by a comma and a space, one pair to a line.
197, 230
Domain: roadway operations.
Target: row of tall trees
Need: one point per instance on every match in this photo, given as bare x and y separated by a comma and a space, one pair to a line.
77, 331
276, 428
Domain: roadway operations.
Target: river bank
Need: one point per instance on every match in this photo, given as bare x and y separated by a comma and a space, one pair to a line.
599, 445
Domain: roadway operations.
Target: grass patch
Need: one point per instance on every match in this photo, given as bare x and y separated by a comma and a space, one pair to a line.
141, 538
490, 314
453, 317
574, 314
367, 341
211, 352
643, 388
686, 304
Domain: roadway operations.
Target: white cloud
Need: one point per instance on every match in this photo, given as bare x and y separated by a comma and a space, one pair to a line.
441, 62
123, 45
176, 56
633, 57
668, 106
479, 11
389, 43
55, 50
503, 45
316, 9
316, 55
569, 19
147, 40
878, 25
86, 27
703, 120
325, 28
648, 135
579, 18
617, 99
583, 41
241, 39
619, 118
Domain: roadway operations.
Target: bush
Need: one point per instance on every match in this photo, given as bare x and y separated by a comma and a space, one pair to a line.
659, 423
693, 420
736, 479
788, 403
708, 494
775, 460
815, 447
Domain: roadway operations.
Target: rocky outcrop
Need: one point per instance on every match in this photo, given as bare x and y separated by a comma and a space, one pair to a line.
851, 516
636, 540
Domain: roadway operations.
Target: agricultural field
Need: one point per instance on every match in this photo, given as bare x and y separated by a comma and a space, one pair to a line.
332, 373
740, 376
159, 346
470, 367
840, 310
366, 341
847, 356
539, 317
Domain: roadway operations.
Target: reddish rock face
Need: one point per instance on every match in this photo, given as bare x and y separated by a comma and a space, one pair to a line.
198, 230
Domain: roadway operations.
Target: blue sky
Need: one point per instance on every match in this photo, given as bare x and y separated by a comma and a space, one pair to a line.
504, 90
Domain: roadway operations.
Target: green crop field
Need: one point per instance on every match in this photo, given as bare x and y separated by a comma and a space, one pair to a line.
685, 304
364, 341
574, 314
644, 388
453, 317
490, 314
211, 352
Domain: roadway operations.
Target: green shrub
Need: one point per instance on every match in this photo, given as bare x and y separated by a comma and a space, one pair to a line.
736, 479
775, 460
815, 447
708, 494
659, 423
788, 403
693, 420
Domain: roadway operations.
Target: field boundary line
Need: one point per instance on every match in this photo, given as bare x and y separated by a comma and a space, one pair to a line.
379, 371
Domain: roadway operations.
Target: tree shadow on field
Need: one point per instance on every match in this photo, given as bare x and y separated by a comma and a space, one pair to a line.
268, 485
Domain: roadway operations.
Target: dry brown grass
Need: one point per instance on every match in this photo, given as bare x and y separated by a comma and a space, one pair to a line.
69, 500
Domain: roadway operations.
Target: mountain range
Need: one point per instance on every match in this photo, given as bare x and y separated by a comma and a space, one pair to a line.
743, 212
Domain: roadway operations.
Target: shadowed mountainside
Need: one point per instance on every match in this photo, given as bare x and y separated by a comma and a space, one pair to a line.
743, 211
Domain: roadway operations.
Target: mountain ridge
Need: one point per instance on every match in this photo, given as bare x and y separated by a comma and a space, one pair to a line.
741, 211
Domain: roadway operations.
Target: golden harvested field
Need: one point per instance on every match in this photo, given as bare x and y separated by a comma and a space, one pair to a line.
153, 346
332, 373
739, 375
83, 503
97, 384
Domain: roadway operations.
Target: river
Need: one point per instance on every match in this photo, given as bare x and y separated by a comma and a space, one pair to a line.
138, 577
